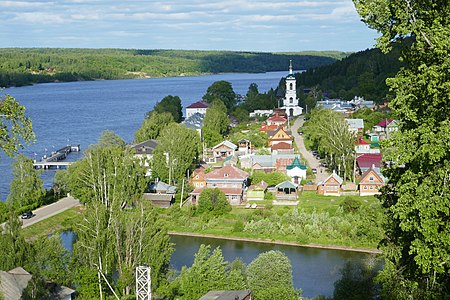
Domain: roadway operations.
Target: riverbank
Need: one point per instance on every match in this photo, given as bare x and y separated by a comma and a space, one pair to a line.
277, 242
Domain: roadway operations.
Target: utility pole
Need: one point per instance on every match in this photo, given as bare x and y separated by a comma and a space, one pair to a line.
182, 193
143, 283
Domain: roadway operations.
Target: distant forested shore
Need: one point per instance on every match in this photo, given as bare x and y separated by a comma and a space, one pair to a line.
25, 66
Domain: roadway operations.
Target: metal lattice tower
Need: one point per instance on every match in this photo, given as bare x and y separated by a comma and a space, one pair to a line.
143, 283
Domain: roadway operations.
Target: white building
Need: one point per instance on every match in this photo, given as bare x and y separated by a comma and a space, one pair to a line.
197, 107
290, 101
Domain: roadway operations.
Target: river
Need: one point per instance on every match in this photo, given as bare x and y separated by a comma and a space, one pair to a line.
77, 112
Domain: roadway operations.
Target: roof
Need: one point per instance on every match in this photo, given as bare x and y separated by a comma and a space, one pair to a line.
367, 160
271, 133
370, 170
145, 147
335, 176
162, 187
226, 295
385, 122
286, 185
281, 145
269, 160
361, 141
13, 282
195, 121
199, 104
259, 186
227, 172
355, 123
277, 119
296, 164
227, 144
265, 127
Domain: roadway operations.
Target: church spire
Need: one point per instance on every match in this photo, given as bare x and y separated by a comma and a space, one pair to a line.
290, 66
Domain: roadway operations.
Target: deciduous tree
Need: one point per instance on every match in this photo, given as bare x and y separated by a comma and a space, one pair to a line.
417, 199
215, 124
170, 104
151, 127
213, 201
177, 151
223, 91
15, 127
26, 188
269, 276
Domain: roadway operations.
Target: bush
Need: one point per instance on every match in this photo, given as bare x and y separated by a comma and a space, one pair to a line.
214, 201
238, 226
350, 204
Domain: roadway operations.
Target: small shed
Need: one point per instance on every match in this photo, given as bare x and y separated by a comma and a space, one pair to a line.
227, 295
256, 192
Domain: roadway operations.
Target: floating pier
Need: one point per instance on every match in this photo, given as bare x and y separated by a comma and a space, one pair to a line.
55, 161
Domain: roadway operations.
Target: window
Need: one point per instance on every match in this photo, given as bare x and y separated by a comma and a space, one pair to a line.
365, 187
371, 187
225, 175
371, 179
291, 100
290, 86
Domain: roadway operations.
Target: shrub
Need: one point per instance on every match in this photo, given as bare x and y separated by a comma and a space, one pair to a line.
238, 226
214, 201
350, 204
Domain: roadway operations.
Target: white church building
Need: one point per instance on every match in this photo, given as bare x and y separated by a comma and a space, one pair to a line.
290, 101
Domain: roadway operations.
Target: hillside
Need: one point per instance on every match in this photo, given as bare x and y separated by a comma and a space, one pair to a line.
360, 74
22, 66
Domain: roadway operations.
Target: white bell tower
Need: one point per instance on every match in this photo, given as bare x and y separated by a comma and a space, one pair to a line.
290, 101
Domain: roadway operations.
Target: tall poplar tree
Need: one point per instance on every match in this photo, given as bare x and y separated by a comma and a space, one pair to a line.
417, 197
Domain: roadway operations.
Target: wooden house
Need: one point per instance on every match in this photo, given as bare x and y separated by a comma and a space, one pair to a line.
257, 191
331, 186
370, 182
280, 135
277, 120
160, 194
224, 149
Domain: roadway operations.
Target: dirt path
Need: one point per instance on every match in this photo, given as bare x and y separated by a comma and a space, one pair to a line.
312, 162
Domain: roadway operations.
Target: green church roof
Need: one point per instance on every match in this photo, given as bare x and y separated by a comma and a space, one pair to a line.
296, 163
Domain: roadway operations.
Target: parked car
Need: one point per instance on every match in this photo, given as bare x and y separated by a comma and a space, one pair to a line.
27, 215
314, 171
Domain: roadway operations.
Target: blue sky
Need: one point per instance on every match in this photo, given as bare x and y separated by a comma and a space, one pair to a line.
243, 25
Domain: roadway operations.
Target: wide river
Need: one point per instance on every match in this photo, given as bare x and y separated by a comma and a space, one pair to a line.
77, 112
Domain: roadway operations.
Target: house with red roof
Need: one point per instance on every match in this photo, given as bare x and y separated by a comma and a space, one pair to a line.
362, 146
229, 179
386, 126
282, 148
197, 107
266, 128
369, 160
277, 120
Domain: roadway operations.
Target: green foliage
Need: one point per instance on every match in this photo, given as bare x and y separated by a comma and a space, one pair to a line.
169, 104
61, 182
213, 201
255, 100
417, 199
269, 276
109, 138
36, 65
215, 124
360, 74
206, 273
222, 91
238, 226
15, 127
350, 204
328, 132
152, 126
26, 189
370, 117
271, 178
177, 151
357, 281
109, 175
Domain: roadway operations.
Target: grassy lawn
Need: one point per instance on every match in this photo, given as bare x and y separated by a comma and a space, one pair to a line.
65, 220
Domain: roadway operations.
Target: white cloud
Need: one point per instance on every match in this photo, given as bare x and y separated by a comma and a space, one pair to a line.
40, 18
24, 4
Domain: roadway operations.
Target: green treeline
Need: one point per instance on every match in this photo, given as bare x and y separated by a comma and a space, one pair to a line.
360, 74
23, 66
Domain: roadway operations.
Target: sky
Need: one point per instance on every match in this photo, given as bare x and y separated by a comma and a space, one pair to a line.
238, 25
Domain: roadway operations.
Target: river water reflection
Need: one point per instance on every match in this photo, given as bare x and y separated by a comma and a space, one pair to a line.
314, 270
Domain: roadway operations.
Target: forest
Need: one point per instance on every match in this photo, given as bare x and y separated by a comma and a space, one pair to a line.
24, 66
360, 74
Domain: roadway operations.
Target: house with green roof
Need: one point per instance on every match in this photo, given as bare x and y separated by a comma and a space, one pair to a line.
296, 170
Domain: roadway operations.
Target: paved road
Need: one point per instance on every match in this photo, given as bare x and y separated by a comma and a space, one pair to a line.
310, 159
47, 211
